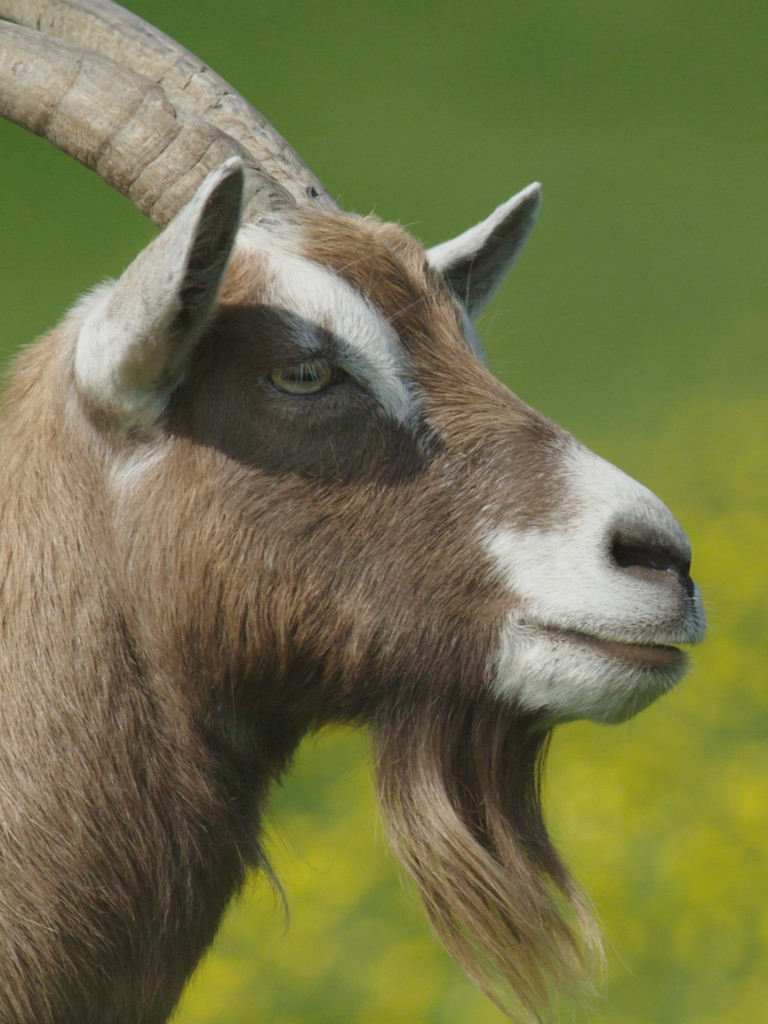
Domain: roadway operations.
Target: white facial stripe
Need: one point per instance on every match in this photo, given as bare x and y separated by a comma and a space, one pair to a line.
370, 349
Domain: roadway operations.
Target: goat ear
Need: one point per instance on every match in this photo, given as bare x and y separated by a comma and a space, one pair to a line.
137, 335
474, 263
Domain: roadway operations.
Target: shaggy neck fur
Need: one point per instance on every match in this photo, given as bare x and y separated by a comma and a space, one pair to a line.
125, 826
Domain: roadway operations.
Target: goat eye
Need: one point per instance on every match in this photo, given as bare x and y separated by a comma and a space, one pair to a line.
303, 378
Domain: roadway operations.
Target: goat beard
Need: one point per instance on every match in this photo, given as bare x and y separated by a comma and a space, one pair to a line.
460, 792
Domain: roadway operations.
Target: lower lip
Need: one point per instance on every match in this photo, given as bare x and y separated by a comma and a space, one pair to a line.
659, 656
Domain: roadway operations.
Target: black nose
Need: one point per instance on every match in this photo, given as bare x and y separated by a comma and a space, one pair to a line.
646, 553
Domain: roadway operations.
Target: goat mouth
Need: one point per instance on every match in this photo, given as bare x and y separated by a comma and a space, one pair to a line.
566, 674
635, 655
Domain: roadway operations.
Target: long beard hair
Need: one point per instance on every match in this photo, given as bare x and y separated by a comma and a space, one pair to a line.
460, 792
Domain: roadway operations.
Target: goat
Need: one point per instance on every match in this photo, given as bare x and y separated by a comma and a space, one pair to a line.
260, 484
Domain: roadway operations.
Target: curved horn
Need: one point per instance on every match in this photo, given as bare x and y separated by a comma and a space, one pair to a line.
167, 119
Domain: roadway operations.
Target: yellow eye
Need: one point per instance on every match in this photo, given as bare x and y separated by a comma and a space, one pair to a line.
303, 378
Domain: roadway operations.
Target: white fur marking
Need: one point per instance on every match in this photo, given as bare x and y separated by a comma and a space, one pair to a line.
566, 681
564, 576
369, 350
563, 581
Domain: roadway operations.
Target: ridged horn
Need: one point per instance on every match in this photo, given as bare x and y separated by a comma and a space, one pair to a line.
143, 112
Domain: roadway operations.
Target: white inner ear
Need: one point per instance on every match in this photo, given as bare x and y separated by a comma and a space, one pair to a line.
475, 262
136, 335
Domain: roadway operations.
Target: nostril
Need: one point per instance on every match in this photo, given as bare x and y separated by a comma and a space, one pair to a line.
651, 552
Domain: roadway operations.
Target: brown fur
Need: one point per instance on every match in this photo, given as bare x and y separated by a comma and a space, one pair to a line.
167, 643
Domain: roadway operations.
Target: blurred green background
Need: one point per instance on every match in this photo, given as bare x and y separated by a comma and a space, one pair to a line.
637, 318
